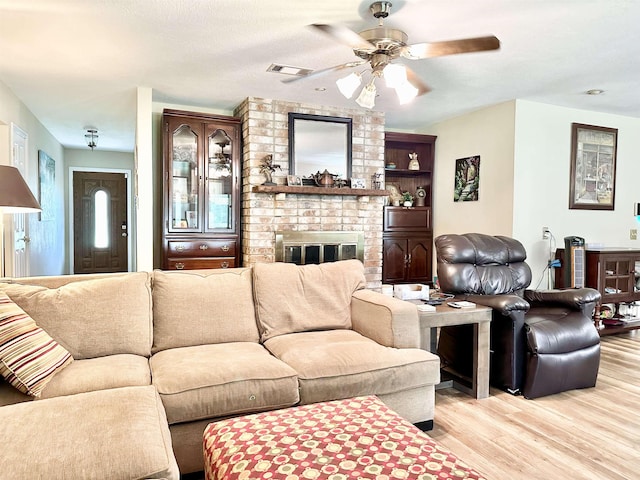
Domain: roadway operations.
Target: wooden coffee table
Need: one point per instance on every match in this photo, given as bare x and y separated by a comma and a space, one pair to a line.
480, 317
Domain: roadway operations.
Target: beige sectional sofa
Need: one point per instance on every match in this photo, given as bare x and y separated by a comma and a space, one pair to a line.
212, 344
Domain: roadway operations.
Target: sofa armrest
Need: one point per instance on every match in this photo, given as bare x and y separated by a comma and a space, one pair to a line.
386, 320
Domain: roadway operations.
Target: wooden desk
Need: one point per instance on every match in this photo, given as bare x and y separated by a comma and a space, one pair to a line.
480, 317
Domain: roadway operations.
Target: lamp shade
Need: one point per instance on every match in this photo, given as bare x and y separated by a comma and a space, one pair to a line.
348, 84
367, 98
15, 195
406, 92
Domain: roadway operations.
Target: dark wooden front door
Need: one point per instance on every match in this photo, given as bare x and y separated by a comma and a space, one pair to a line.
100, 222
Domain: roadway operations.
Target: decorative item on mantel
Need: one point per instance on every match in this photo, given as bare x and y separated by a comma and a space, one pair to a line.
407, 199
267, 168
325, 179
413, 161
376, 181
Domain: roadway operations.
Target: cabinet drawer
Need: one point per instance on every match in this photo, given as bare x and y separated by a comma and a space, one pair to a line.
398, 219
202, 248
200, 263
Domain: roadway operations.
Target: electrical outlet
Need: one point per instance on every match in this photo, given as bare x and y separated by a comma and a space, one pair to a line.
546, 233
633, 234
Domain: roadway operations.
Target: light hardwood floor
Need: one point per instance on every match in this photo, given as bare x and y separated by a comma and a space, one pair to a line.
583, 434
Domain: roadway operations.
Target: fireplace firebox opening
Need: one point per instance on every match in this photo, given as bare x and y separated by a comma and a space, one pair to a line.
304, 248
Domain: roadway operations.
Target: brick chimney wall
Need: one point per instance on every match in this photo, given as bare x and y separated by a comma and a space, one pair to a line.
265, 132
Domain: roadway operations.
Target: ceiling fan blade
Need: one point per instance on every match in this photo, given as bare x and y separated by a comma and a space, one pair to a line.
344, 35
415, 80
317, 73
451, 47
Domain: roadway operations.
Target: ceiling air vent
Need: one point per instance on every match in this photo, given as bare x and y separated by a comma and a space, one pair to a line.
288, 70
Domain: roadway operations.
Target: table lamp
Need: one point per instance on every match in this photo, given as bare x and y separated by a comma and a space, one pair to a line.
15, 197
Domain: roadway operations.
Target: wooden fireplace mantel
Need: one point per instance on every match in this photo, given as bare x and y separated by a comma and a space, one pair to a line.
359, 192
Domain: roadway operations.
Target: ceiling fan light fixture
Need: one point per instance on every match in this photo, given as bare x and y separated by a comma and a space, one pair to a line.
395, 75
406, 92
348, 85
367, 98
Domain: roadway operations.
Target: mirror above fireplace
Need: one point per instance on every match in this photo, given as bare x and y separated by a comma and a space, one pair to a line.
318, 143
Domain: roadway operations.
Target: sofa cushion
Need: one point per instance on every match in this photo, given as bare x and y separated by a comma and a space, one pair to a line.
89, 375
336, 364
29, 357
202, 307
291, 298
92, 318
210, 381
118, 433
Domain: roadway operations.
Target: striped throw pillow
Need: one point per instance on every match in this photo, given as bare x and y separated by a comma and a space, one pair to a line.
29, 357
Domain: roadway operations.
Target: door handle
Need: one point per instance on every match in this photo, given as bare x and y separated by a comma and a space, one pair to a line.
24, 239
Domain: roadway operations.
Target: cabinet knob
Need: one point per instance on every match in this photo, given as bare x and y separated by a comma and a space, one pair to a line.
179, 266
225, 248
224, 265
180, 248
204, 246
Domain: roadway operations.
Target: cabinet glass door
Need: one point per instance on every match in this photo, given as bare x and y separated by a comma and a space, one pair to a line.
184, 185
219, 185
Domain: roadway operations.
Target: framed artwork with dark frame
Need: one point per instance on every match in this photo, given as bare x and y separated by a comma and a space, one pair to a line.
46, 185
593, 167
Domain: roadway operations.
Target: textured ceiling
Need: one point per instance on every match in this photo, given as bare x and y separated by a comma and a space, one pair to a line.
77, 63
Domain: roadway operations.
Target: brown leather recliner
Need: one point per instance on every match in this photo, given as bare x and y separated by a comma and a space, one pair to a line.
542, 342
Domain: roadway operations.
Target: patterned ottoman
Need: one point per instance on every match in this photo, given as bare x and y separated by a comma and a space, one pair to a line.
345, 439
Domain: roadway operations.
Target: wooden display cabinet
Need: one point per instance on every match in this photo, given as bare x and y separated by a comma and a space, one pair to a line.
613, 272
408, 232
201, 191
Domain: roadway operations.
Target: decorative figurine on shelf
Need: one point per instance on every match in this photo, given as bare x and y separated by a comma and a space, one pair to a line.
421, 193
407, 199
413, 161
267, 168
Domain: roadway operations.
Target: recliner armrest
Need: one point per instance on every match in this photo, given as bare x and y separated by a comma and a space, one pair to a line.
576, 298
386, 320
505, 304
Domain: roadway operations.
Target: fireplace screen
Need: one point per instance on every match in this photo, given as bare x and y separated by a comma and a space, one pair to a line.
304, 248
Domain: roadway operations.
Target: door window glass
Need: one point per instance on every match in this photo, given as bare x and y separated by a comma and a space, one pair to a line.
101, 216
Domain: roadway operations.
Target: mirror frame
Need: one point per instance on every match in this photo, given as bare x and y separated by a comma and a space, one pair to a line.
294, 118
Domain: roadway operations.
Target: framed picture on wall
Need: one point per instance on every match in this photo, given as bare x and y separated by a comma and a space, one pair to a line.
466, 187
593, 167
46, 185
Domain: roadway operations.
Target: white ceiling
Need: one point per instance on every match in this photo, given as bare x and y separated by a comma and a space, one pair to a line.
77, 63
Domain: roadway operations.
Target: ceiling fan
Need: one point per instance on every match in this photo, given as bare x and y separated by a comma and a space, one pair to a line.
379, 47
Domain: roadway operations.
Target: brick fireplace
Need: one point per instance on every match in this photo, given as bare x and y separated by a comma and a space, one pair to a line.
265, 132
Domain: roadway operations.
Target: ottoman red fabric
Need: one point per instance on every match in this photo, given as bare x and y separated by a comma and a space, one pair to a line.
340, 440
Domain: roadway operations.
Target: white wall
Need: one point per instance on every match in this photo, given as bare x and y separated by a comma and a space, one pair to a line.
47, 247
489, 133
541, 185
